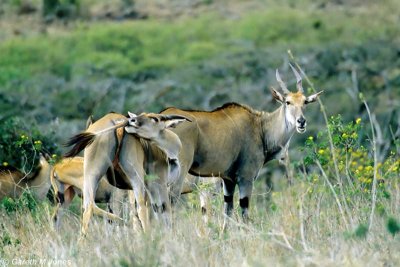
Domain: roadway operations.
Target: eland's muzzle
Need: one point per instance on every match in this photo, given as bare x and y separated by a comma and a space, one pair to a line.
301, 124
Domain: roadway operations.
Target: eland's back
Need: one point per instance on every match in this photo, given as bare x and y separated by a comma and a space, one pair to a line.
217, 142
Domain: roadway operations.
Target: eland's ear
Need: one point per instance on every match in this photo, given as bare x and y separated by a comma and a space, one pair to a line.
312, 98
132, 115
171, 121
277, 95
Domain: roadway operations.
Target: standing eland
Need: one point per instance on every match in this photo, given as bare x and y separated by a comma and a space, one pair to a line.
234, 141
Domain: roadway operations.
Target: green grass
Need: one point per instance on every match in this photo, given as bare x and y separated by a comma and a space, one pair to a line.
122, 49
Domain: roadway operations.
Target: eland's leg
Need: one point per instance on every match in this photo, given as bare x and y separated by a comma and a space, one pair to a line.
64, 198
106, 214
92, 175
131, 162
136, 176
205, 204
229, 190
245, 190
142, 209
208, 193
133, 213
89, 188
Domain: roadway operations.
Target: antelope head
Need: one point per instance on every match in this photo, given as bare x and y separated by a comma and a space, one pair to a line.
294, 103
149, 125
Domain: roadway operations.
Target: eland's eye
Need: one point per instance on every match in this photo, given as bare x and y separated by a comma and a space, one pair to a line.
287, 102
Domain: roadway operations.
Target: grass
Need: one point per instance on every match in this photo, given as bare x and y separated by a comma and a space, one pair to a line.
122, 49
287, 236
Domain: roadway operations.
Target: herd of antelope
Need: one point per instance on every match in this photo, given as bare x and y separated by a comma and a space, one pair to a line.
149, 157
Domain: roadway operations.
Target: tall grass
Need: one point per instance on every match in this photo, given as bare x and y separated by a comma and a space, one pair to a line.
305, 228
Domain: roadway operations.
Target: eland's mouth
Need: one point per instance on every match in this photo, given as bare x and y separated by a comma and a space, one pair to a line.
131, 128
133, 125
301, 129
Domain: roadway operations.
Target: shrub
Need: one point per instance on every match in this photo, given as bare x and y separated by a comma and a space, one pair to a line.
353, 154
21, 142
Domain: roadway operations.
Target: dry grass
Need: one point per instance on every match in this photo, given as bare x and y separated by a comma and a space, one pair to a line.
303, 229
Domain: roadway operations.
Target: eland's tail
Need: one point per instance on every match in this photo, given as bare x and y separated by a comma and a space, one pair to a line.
79, 142
82, 140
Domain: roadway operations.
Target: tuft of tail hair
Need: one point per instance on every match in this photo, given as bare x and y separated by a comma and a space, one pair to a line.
79, 142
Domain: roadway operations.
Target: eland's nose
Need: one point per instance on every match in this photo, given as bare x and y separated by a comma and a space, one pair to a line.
301, 121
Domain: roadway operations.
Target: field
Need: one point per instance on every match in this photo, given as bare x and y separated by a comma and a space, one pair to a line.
343, 208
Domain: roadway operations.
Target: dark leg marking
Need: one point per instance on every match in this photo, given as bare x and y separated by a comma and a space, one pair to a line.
163, 207
155, 208
203, 210
244, 203
60, 197
111, 211
228, 198
229, 190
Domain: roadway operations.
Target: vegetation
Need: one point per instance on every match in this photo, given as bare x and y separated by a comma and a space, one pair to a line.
343, 208
21, 143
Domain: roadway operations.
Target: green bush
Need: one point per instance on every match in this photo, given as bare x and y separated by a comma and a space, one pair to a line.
25, 202
353, 158
21, 142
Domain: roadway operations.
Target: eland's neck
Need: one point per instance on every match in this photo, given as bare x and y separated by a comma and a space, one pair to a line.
276, 129
168, 142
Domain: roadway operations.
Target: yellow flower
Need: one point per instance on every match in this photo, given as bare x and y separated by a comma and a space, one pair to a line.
310, 138
5, 163
54, 156
358, 120
368, 181
354, 135
38, 142
369, 168
344, 135
395, 168
321, 151
360, 168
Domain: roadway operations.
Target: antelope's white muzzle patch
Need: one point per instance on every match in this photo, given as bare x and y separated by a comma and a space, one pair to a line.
301, 128
131, 127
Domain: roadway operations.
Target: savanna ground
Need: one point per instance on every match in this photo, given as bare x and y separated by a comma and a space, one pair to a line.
343, 208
